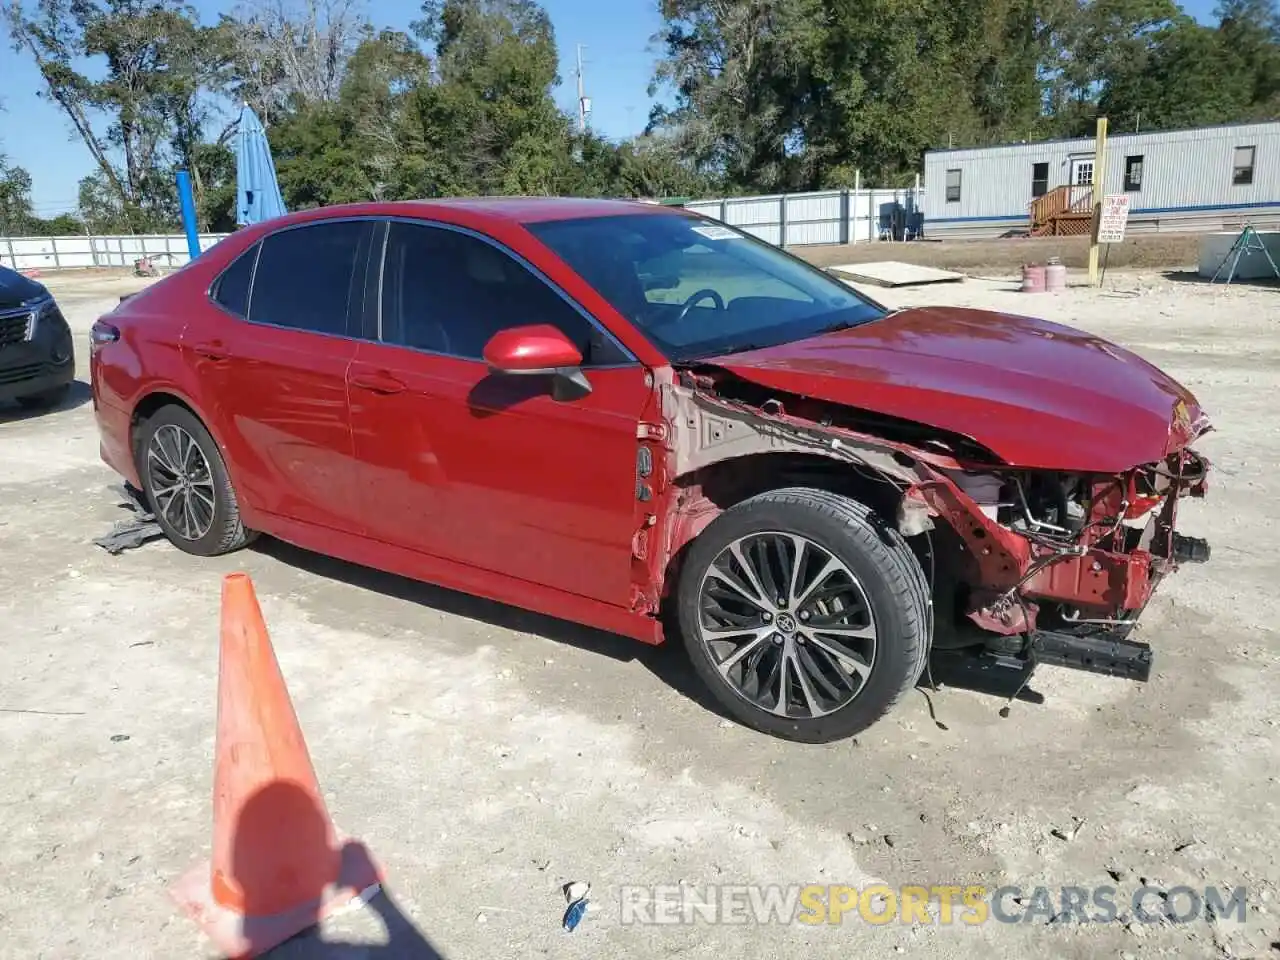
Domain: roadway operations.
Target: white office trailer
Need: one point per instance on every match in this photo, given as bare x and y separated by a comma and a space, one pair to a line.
1212, 178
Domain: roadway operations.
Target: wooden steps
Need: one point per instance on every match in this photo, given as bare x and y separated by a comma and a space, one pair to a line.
1063, 212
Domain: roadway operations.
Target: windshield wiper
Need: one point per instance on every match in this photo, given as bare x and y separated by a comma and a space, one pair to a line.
850, 324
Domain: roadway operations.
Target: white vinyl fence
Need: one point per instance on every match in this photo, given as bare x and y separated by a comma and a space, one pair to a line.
794, 219
60, 253
829, 216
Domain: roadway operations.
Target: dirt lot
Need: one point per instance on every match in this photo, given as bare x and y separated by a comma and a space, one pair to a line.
486, 756
1168, 251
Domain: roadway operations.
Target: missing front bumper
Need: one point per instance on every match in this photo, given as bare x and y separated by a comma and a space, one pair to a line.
1099, 653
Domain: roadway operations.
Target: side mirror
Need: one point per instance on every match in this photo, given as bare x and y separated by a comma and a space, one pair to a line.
539, 350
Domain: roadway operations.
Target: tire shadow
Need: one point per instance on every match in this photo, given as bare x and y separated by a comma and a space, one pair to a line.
668, 661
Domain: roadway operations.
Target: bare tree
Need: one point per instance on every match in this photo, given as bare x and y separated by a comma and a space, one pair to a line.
295, 52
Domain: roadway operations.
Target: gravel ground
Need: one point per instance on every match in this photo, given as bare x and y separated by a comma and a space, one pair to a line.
486, 756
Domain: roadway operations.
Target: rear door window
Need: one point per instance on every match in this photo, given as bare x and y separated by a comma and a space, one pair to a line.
312, 277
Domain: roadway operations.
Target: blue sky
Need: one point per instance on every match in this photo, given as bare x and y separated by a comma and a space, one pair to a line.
618, 63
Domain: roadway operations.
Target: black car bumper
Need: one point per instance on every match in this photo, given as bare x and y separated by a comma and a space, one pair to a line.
37, 365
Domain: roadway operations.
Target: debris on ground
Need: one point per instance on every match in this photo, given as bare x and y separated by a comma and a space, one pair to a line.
576, 893
1066, 836
127, 534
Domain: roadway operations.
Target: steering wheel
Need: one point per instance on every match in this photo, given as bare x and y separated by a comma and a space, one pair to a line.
704, 294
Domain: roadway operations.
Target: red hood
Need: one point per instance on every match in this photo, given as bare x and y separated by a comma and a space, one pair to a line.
1035, 393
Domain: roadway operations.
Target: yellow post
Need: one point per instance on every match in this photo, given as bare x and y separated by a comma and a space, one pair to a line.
1099, 191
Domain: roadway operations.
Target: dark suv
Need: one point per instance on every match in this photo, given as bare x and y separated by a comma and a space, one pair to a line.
37, 355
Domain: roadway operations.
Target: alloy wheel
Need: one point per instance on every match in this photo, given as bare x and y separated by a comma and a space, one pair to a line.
181, 482
787, 624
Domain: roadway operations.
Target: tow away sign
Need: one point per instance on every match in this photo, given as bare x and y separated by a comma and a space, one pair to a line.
1115, 216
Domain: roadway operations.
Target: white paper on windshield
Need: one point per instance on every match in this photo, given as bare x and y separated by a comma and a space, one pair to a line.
712, 232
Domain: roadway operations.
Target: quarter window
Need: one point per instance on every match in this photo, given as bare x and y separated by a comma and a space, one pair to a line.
232, 290
306, 275
449, 292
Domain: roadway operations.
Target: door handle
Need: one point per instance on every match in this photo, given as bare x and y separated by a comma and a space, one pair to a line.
211, 351
380, 382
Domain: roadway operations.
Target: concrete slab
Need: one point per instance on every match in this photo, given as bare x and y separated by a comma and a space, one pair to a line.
894, 273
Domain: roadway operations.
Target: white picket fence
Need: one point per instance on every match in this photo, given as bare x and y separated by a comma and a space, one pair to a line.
61, 253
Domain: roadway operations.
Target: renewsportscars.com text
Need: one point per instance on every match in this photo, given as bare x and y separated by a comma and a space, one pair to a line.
940, 903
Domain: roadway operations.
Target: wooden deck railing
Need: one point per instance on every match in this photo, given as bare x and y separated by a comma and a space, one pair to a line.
1059, 201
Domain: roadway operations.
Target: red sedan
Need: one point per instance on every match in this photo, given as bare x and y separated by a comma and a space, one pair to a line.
643, 420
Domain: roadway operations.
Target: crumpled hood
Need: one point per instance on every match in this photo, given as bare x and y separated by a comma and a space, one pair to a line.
1035, 393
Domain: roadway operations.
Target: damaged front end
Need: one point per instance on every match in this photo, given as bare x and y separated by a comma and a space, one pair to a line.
1027, 565
1056, 567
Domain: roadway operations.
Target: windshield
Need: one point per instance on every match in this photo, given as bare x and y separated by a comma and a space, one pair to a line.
698, 288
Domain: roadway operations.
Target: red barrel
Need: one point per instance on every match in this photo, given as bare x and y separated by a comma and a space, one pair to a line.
1032, 278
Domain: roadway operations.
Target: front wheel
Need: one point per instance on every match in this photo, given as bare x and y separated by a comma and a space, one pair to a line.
805, 614
187, 485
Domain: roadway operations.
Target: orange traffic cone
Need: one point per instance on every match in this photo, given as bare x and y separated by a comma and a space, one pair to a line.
277, 866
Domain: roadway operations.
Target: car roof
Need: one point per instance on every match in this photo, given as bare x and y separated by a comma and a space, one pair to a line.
536, 209
485, 210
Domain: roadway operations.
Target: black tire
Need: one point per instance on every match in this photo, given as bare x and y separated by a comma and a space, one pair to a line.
45, 399
226, 532
892, 581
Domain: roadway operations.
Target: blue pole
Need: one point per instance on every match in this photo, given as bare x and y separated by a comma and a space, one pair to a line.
188, 214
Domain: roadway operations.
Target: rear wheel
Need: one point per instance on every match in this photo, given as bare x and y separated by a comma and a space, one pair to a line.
805, 614
187, 486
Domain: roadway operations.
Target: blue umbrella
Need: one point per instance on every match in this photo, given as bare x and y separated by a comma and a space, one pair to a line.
257, 192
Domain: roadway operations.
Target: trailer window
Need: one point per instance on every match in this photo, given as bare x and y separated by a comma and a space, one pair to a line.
1039, 179
1242, 169
1132, 174
953, 186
